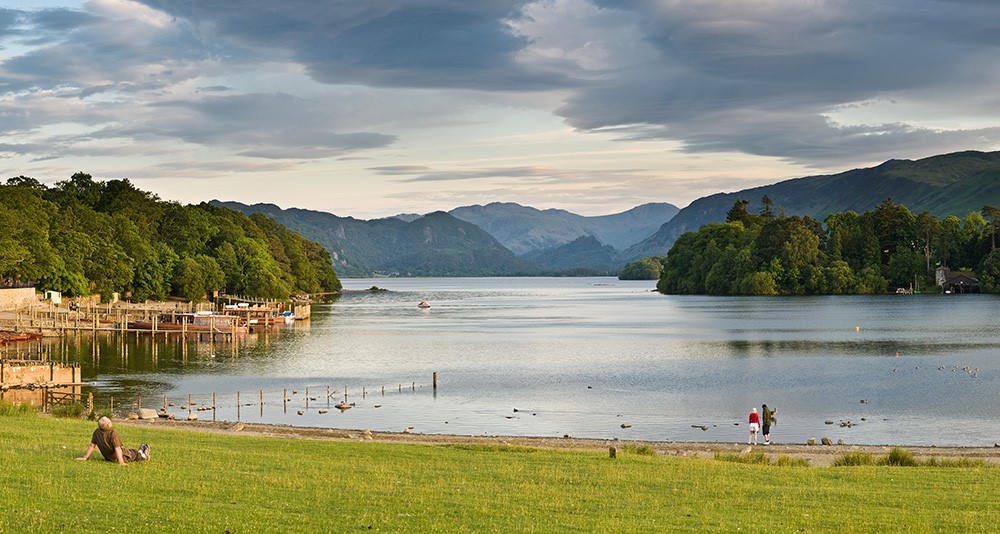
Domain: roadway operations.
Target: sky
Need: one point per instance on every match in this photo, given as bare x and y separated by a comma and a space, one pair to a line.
375, 108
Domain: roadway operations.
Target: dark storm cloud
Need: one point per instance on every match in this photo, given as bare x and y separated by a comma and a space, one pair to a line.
395, 43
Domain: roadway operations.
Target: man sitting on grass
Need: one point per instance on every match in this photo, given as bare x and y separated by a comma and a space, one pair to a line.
107, 439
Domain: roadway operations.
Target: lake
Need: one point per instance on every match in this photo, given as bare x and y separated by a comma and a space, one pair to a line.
585, 356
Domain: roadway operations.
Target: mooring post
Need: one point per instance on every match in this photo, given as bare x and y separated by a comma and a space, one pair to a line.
284, 400
213, 406
138, 402
435, 380
238, 402
307, 397
164, 403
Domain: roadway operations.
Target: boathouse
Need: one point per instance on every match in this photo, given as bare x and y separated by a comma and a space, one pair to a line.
956, 281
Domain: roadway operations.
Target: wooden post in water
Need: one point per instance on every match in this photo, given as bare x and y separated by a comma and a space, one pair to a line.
383, 391
284, 400
138, 402
189, 405
435, 380
238, 404
164, 403
307, 397
213, 406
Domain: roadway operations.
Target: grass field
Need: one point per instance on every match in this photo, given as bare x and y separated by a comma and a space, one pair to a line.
203, 482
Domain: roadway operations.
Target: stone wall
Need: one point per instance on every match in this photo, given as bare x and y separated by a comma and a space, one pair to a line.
14, 299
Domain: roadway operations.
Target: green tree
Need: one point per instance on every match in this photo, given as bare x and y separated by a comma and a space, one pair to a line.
643, 269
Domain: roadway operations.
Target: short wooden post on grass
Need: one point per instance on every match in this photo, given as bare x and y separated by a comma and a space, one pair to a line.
613, 451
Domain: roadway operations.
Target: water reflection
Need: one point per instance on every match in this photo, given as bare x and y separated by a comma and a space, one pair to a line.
581, 357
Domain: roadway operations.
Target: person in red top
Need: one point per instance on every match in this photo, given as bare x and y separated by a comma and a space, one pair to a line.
754, 426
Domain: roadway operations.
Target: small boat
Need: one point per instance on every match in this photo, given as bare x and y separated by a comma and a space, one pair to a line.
423, 304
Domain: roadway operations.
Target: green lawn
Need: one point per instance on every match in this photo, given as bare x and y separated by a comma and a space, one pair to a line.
200, 482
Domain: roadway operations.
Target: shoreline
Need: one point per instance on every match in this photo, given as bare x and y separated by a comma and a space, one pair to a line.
817, 455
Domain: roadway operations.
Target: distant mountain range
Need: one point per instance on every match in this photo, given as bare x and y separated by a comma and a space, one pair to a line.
473, 240
435, 244
949, 184
505, 239
526, 230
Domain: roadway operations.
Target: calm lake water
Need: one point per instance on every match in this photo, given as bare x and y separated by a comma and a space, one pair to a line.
583, 356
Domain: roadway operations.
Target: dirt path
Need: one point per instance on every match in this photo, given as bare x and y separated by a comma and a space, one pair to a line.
817, 455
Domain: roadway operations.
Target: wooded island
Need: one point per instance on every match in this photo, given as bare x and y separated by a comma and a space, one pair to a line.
888, 247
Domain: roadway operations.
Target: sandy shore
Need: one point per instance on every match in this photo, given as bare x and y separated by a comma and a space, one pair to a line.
817, 455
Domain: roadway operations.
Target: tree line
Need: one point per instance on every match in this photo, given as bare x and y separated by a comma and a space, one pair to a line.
848, 253
82, 237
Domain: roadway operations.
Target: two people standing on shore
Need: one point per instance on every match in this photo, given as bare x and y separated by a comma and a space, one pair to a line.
756, 425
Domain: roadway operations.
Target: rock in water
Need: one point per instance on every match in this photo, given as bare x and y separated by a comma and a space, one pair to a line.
827, 441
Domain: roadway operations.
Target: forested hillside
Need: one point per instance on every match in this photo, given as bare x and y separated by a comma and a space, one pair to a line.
889, 246
948, 184
83, 236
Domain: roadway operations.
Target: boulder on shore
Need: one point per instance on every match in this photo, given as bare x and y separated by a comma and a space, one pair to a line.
148, 413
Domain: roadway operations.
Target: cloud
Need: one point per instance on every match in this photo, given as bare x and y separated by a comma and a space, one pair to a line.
824, 83
761, 77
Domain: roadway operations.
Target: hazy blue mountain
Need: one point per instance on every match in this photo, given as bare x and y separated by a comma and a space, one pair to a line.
584, 255
524, 229
436, 244
949, 184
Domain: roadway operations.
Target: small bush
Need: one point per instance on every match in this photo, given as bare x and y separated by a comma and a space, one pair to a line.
641, 450
787, 461
754, 458
900, 457
955, 462
97, 414
854, 459
8, 408
75, 410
